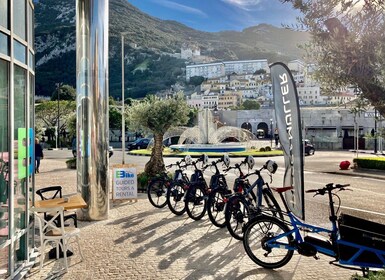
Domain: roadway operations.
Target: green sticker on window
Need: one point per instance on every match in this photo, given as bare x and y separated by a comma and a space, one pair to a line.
22, 152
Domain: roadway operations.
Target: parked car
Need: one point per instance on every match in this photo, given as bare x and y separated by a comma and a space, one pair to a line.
260, 133
138, 144
309, 148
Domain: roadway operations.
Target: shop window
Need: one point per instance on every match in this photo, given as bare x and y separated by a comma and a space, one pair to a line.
4, 14
19, 50
4, 43
4, 153
20, 145
19, 18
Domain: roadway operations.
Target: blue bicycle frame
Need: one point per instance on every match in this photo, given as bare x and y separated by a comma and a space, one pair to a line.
356, 242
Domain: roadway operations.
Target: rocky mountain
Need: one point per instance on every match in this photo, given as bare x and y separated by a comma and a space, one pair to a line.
150, 47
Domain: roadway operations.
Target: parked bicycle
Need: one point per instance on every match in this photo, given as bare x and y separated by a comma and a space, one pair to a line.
270, 242
245, 203
158, 185
197, 192
177, 191
218, 193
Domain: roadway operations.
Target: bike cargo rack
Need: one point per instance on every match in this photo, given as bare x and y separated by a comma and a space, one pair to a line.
361, 242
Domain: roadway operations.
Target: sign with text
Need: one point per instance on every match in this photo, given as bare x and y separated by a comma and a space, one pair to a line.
124, 182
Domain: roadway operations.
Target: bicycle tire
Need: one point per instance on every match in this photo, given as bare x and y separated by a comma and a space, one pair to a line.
175, 195
195, 202
272, 204
157, 193
258, 231
236, 215
216, 207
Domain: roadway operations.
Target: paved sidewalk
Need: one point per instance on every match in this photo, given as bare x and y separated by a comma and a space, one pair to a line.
139, 241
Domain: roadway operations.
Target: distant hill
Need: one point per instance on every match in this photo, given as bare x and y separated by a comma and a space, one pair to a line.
150, 66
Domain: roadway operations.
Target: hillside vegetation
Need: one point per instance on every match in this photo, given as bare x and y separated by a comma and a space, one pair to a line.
149, 66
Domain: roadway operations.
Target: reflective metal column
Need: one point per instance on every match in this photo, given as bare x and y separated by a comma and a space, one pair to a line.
92, 107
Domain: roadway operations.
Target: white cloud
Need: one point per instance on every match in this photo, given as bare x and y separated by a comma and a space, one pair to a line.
247, 5
181, 8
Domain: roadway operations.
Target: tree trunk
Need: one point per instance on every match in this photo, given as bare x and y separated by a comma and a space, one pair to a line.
156, 163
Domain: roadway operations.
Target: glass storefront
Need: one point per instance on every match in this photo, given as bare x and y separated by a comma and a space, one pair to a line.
16, 135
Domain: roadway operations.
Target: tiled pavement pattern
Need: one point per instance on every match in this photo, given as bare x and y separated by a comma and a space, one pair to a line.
139, 241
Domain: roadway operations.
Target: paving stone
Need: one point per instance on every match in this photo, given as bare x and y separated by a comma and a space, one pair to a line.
139, 241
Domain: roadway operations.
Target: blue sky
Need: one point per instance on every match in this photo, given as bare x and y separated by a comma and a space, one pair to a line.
217, 15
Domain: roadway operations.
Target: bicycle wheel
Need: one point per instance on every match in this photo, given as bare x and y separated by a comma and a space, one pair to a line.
258, 232
157, 193
195, 202
175, 194
236, 216
216, 208
272, 204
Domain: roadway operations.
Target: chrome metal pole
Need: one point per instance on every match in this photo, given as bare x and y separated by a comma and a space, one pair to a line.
92, 107
123, 120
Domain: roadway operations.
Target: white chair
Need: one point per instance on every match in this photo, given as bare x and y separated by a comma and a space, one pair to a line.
60, 236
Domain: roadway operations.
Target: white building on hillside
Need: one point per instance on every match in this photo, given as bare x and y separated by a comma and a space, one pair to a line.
220, 69
246, 66
207, 70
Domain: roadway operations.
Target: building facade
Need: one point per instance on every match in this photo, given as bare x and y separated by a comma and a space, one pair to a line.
246, 66
220, 69
17, 80
207, 70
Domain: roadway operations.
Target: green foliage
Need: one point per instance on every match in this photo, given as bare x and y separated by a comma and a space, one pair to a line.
251, 105
260, 71
46, 113
348, 43
72, 126
371, 163
143, 179
192, 117
373, 275
115, 118
147, 72
196, 80
55, 31
157, 115
61, 68
66, 92
267, 148
262, 149
71, 163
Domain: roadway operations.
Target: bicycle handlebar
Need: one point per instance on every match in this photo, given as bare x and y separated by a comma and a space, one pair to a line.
329, 187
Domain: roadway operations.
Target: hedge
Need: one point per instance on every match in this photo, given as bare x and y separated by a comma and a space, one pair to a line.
370, 163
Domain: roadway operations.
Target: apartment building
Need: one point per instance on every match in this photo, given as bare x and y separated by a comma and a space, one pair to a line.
219, 69
207, 70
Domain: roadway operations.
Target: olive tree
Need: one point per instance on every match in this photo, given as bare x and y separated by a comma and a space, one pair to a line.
47, 114
64, 92
347, 45
157, 116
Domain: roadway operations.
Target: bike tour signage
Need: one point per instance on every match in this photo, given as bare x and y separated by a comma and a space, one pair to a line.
124, 182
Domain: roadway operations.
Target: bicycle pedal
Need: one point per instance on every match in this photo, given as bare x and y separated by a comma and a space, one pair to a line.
316, 257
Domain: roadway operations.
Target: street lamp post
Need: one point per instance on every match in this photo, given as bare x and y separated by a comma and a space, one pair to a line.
58, 85
271, 133
123, 121
375, 131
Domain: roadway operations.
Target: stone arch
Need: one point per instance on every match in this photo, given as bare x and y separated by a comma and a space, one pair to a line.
264, 127
247, 126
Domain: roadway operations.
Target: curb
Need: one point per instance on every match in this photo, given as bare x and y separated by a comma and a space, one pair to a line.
366, 175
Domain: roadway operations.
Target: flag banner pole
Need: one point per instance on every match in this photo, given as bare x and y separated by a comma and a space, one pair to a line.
288, 120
